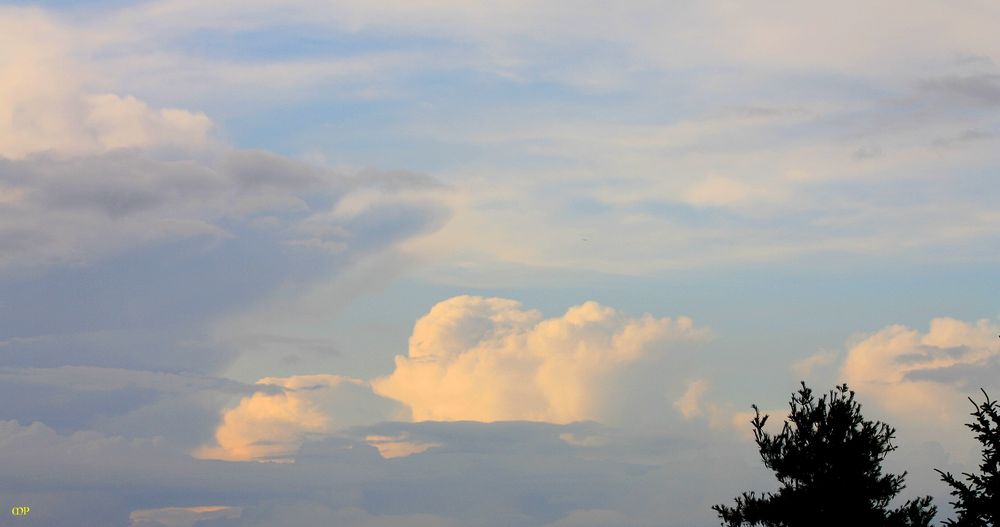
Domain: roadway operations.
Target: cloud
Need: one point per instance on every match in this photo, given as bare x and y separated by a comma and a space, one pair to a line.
983, 88
470, 358
484, 475
390, 447
272, 426
652, 174
690, 404
723, 191
308, 514
487, 359
805, 367
925, 377
77, 209
594, 518
126, 259
47, 106
85, 172
179, 408
966, 137
720, 416
181, 516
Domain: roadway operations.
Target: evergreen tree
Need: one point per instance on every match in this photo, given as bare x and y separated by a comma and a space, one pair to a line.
977, 500
828, 462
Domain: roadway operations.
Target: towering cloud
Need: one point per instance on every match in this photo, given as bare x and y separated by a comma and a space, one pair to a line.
487, 359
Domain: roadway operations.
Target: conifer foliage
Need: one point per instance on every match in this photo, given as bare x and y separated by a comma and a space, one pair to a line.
828, 462
977, 500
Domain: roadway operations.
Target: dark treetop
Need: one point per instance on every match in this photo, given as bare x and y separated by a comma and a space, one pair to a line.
828, 462
977, 500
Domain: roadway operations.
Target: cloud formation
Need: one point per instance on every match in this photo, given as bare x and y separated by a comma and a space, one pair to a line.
690, 405
271, 426
470, 359
487, 359
72, 210
48, 105
926, 376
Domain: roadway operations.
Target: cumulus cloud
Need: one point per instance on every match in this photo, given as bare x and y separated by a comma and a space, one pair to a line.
690, 404
925, 376
47, 106
695, 405
272, 426
487, 359
470, 358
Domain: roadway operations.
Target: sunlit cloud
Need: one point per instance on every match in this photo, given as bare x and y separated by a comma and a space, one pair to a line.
488, 359
46, 104
390, 447
690, 404
925, 377
203, 284
271, 425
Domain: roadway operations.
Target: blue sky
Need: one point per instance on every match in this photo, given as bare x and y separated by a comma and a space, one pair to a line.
509, 264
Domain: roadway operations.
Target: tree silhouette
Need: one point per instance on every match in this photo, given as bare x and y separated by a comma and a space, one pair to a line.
828, 461
977, 501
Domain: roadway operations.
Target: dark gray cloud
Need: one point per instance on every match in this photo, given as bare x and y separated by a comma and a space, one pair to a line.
967, 136
511, 474
980, 88
181, 408
123, 260
114, 269
867, 152
967, 376
72, 210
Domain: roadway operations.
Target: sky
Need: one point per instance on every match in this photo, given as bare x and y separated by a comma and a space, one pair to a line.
435, 263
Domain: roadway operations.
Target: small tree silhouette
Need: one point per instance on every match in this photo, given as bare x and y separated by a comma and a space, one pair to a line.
978, 501
828, 461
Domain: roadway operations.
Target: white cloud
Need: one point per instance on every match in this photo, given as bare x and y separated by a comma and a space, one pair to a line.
46, 104
470, 358
728, 149
271, 426
690, 404
925, 377
487, 359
